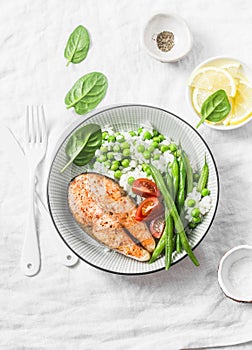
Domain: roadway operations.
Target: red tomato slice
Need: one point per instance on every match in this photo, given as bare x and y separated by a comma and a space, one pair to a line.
157, 226
145, 188
149, 209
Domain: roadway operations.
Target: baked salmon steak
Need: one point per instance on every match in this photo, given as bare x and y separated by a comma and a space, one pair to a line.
105, 212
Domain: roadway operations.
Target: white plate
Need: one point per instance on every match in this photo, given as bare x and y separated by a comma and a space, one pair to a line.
125, 117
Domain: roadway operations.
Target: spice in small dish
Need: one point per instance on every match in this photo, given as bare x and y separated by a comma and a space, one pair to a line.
165, 41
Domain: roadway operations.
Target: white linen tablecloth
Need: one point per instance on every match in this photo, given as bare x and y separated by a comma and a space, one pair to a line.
82, 307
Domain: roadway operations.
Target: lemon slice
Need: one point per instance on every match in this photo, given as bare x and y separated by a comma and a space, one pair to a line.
212, 79
242, 103
232, 68
198, 97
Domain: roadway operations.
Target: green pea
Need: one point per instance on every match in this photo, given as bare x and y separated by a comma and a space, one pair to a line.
115, 165
117, 133
116, 148
107, 164
147, 135
205, 192
141, 148
156, 139
111, 138
120, 138
173, 147
197, 220
146, 154
102, 158
192, 224
139, 131
148, 172
131, 179
155, 133
156, 157
161, 137
117, 174
151, 148
196, 177
195, 213
145, 167
155, 144
104, 149
125, 145
178, 153
126, 152
191, 203
132, 133
125, 163
110, 155
164, 148
105, 135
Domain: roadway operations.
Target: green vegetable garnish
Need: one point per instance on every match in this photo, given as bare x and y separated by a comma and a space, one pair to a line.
215, 108
82, 145
87, 92
77, 45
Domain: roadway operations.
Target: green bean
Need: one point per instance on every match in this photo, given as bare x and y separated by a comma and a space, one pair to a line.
182, 184
158, 250
173, 212
203, 177
168, 241
169, 182
189, 173
175, 177
178, 243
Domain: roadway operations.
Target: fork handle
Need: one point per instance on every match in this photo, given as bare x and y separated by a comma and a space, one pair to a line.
30, 259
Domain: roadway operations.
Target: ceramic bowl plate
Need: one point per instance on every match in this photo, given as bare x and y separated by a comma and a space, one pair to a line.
218, 61
124, 117
235, 273
171, 23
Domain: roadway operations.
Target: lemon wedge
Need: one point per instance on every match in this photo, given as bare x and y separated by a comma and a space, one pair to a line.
242, 109
198, 97
212, 79
232, 68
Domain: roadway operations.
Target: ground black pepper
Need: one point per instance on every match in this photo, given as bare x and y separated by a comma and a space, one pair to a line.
165, 41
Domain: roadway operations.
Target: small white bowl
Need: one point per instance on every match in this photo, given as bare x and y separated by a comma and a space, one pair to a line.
235, 274
172, 23
246, 70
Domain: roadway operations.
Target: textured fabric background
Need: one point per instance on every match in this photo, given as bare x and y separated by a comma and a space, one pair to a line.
81, 307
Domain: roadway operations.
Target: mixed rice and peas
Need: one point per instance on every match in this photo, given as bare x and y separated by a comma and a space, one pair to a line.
125, 156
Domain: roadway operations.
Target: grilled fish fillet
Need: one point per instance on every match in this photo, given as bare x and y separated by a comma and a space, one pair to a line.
104, 211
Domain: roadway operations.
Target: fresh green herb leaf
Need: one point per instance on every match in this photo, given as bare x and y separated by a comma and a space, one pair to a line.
215, 108
77, 45
87, 92
82, 145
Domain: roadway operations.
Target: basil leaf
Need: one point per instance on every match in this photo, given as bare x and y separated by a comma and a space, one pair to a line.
215, 108
77, 45
87, 92
82, 145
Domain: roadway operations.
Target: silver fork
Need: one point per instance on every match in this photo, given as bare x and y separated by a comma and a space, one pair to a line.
35, 149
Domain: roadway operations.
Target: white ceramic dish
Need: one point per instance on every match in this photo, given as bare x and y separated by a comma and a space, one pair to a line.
172, 23
246, 72
124, 117
235, 274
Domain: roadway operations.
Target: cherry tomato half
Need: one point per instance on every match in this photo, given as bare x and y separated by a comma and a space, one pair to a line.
157, 226
149, 209
145, 188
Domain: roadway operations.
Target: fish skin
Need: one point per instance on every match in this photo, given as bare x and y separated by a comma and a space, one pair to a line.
103, 225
